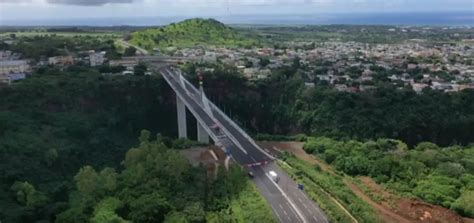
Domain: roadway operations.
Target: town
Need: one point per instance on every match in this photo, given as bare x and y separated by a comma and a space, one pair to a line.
346, 66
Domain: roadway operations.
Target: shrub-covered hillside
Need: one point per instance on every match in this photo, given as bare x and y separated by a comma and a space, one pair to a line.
191, 32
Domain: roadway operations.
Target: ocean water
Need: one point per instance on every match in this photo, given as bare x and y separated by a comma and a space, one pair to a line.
465, 18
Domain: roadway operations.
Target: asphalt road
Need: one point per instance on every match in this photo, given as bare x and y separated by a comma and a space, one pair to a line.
288, 202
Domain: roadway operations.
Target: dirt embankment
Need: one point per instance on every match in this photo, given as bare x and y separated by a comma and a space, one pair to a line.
389, 206
211, 157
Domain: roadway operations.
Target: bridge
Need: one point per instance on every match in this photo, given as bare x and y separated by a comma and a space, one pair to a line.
289, 203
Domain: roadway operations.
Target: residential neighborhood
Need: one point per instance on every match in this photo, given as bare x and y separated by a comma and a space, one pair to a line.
352, 66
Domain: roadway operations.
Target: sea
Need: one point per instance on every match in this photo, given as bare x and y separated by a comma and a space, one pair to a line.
460, 18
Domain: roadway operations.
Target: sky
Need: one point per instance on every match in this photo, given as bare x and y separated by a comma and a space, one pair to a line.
12, 10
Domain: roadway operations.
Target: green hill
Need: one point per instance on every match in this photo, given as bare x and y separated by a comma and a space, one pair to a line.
191, 32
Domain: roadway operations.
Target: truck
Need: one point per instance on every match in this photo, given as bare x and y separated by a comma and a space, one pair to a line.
274, 176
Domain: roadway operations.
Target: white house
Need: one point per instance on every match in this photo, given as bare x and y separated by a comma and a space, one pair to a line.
14, 66
97, 59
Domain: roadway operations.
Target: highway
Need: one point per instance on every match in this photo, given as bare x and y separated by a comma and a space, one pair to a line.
288, 202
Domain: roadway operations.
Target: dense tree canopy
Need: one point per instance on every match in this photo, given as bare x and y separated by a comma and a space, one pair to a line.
159, 185
55, 121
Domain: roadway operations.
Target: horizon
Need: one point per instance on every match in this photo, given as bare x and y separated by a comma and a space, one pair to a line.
439, 18
62, 12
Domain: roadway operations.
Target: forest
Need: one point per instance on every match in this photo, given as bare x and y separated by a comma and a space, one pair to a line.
159, 185
55, 122
63, 139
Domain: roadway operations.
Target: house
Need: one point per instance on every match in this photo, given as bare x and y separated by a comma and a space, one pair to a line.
5, 55
9, 78
61, 60
14, 66
412, 66
96, 59
209, 57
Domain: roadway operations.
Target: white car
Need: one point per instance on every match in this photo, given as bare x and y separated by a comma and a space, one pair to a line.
274, 176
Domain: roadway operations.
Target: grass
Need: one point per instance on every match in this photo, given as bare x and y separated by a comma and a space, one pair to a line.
323, 187
250, 206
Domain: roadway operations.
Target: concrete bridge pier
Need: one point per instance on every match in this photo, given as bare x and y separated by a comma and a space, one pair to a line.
182, 128
203, 137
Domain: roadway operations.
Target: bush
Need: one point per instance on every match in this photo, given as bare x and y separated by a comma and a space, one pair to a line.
465, 204
438, 190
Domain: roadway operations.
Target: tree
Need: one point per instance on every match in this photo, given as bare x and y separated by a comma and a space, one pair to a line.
105, 211
450, 169
195, 213
140, 69
50, 156
107, 180
465, 204
27, 195
264, 62
422, 146
176, 217
149, 208
130, 51
87, 181
438, 190
73, 214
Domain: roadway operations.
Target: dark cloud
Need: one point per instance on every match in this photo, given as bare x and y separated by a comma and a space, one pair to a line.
89, 2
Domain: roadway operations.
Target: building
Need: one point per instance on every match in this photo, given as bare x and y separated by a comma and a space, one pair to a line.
96, 59
5, 55
14, 66
9, 78
61, 60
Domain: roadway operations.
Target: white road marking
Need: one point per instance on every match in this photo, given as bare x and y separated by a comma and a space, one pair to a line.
276, 212
284, 212
314, 207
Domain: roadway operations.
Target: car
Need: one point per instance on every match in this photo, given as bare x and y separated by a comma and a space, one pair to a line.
250, 173
274, 176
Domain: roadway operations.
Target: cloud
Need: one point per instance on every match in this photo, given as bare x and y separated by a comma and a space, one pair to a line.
14, 1
88, 2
